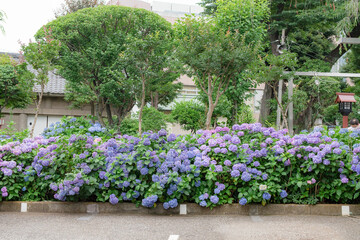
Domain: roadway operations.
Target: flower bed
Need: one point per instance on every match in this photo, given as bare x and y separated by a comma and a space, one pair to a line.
245, 164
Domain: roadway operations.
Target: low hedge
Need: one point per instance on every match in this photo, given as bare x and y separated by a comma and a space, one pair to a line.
246, 164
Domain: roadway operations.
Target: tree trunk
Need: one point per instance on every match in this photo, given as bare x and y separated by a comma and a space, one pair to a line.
142, 104
37, 110
109, 115
92, 108
99, 111
156, 101
233, 119
209, 114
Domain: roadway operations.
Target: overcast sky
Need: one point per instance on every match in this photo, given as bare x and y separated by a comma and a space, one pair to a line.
25, 17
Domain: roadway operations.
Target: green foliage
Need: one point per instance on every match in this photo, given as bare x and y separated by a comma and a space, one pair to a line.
212, 56
154, 120
189, 114
245, 115
129, 126
10, 134
96, 59
15, 84
248, 17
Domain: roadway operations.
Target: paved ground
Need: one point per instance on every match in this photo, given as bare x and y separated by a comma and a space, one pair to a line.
100, 226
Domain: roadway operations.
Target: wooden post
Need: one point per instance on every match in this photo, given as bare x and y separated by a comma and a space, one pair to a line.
291, 106
345, 121
278, 111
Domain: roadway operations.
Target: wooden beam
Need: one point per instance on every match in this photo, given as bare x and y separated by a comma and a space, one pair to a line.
325, 74
349, 41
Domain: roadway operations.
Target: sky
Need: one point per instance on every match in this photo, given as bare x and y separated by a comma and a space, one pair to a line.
26, 17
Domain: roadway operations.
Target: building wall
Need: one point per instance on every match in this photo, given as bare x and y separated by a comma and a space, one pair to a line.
52, 109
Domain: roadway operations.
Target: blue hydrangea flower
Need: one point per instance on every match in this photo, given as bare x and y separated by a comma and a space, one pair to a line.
283, 194
166, 205
203, 203
242, 201
266, 196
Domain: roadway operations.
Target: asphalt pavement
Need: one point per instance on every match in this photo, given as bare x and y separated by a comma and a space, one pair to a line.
49, 226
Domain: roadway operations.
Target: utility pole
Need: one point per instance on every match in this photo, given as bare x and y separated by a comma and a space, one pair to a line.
278, 112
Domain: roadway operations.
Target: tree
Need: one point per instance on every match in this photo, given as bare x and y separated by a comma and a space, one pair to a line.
271, 71
250, 19
189, 114
15, 84
70, 6
213, 57
41, 55
95, 59
147, 57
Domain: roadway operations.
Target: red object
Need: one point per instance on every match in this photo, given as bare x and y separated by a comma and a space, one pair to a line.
345, 97
345, 101
345, 121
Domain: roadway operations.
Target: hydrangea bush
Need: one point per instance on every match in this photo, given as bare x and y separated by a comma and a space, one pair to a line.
245, 164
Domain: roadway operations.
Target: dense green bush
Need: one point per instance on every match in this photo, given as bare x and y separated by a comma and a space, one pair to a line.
189, 114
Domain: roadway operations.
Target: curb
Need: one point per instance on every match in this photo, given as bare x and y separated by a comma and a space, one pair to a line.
183, 209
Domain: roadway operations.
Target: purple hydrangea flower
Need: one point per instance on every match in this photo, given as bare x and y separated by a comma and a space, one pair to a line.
113, 199
233, 148
212, 143
227, 163
214, 199
146, 142
245, 176
162, 132
235, 140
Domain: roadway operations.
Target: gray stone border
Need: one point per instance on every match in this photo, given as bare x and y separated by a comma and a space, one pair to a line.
189, 209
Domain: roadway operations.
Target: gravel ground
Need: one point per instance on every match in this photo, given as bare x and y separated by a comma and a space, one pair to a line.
101, 226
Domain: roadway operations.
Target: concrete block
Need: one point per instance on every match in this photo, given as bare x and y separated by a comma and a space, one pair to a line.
326, 209
10, 206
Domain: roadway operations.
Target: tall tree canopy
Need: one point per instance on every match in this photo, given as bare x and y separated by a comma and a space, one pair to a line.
95, 56
212, 56
15, 84
311, 29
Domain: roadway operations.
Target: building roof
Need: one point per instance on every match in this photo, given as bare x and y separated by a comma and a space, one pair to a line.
56, 84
